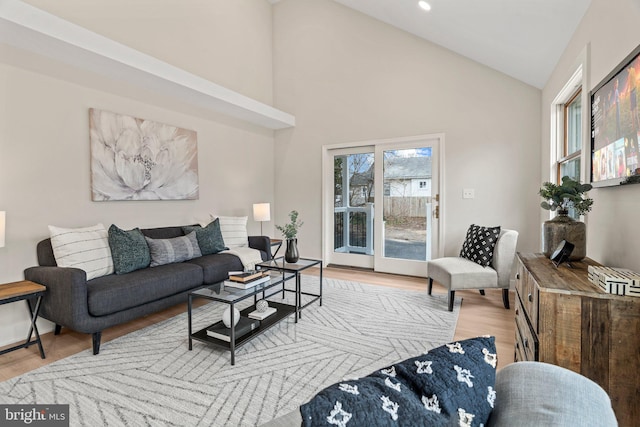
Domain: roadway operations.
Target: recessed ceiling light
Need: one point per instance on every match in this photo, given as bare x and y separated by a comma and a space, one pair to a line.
424, 5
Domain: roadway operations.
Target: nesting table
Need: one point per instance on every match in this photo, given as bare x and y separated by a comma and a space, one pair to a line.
25, 291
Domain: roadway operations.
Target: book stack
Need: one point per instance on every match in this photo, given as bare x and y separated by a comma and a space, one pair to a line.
261, 315
246, 280
220, 331
617, 281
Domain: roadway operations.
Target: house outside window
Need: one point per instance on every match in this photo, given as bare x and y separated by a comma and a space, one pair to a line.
571, 149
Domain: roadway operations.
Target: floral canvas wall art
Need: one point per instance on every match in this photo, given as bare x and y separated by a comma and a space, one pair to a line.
136, 159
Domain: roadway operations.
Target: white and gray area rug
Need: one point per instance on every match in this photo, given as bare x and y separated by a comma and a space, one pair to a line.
150, 378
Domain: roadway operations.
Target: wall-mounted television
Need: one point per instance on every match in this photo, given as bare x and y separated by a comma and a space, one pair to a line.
615, 124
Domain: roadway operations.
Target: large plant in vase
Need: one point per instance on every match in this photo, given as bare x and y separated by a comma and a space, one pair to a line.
570, 194
290, 233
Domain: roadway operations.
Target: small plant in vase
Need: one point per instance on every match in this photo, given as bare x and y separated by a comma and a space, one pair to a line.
570, 194
290, 231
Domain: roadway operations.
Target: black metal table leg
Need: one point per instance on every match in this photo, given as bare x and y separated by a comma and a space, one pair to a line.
233, 334
33, 313
189, 302
299, 294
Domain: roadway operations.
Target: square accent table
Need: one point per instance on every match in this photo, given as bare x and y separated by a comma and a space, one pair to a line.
279, 264
25, 291
228, 295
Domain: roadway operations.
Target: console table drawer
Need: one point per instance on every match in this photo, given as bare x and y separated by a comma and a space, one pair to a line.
526, 339
528, 291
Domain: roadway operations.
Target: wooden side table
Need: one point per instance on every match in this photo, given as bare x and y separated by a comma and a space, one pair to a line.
27, 291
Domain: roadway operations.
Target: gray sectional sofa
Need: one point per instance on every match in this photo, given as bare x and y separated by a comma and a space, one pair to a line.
91, 306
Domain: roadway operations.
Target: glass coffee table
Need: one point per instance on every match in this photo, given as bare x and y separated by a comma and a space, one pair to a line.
232, 296
295, 269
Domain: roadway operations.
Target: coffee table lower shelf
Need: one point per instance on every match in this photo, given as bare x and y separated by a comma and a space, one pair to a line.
282, 311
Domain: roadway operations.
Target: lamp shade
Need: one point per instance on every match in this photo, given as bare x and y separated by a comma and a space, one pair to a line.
262, 212
2, 223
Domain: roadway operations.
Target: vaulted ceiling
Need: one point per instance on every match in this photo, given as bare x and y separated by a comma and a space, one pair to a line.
521, 38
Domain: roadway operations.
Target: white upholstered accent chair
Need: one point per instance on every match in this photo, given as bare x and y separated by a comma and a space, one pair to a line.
456, 273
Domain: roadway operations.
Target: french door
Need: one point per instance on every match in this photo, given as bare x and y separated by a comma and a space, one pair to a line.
382, 204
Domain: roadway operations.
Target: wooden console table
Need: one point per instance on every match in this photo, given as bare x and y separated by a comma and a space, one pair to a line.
19, 291
563, 319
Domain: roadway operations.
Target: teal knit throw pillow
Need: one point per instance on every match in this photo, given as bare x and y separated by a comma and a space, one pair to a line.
129, 250
209, 238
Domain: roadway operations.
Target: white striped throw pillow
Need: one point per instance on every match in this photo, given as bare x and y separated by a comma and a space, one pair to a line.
234, 230
84, 248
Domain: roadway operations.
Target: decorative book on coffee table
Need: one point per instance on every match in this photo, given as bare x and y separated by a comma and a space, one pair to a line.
261, 315
244, 276
248, 284
220, 331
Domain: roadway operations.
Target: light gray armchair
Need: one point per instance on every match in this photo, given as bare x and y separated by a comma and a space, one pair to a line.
457, 273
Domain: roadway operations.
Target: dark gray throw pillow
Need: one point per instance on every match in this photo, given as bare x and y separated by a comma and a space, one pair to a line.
178, 249
129, 250
479, 244
209, 238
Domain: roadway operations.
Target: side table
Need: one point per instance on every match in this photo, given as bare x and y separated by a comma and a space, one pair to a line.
27, 291
279, 264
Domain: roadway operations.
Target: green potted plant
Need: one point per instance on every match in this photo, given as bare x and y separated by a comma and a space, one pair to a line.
570, 194
290, 233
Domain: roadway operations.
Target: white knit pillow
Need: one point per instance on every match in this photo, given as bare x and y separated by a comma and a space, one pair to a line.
84, 248
234, 230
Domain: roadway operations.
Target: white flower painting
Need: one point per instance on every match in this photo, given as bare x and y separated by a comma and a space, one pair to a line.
136, 159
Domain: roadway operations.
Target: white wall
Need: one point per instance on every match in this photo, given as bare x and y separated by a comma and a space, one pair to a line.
44, 135
227, 42
610, 29
347, 77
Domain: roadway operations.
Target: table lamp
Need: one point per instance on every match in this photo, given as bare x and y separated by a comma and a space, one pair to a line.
261, 212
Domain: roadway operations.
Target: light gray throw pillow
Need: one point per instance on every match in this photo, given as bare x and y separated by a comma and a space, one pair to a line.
533, 394
178, 249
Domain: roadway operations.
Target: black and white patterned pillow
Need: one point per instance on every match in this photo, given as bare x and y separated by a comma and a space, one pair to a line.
452, 385
479, 244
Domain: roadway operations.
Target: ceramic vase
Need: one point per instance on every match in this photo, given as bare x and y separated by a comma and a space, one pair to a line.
226, 317
563, 227
291, 253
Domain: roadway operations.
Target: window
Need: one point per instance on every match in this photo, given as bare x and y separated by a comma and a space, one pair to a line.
423, 184
571, 147
568, 137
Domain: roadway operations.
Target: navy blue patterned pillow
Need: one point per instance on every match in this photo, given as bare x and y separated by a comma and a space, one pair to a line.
479, 244
449, 385
210, 238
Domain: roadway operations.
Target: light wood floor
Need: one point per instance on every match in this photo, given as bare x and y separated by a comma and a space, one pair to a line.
479, 315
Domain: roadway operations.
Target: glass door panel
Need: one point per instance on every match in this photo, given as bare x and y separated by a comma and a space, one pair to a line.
408, 210
407, 195
353, 207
